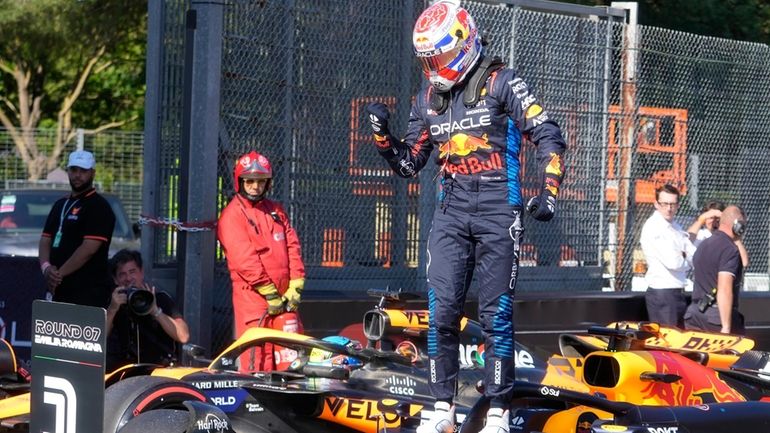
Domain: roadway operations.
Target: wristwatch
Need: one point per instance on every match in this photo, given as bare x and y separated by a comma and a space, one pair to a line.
157, 312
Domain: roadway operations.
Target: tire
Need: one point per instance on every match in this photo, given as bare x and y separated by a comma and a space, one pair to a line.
160, 420
136, 395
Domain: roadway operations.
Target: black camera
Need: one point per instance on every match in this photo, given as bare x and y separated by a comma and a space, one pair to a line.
139, 300
707, 301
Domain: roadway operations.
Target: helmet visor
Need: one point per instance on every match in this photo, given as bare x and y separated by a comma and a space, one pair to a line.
440, 61
254, 175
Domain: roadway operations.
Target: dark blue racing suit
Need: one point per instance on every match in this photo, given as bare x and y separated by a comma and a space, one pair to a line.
478, 220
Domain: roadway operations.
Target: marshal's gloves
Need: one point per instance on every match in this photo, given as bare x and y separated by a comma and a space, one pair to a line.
542, 207
294, 293
274, 301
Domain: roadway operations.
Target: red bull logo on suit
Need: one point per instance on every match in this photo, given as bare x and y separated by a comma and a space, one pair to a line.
473, 165
463, 145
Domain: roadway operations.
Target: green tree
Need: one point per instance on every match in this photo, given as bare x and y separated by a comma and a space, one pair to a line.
744, 20
67, 64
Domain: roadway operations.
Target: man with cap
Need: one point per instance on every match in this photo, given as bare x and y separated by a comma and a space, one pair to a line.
76, 238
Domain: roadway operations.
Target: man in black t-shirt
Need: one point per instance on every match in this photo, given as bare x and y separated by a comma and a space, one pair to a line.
138, 334
76, 239
718, 274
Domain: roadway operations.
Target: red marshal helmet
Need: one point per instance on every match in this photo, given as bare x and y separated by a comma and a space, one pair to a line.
251, 166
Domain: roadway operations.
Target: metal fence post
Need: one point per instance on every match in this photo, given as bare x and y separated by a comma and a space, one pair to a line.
80, 137
152, 116
198, 179
289, 134
627, 144
605, 147
400, 214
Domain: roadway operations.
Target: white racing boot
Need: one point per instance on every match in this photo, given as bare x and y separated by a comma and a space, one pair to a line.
442, 420
497, 421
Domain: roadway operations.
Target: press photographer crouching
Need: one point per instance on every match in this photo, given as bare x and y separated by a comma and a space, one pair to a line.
143, 324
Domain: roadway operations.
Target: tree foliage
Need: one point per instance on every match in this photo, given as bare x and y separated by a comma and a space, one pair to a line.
744, 20
68, 64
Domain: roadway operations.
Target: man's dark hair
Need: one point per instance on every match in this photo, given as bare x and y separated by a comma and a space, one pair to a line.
713, 204
124, 256
671, 189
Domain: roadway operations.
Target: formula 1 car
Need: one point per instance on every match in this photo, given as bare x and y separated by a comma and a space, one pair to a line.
331, 384
639, 389
636, 375
332, 387
605, 381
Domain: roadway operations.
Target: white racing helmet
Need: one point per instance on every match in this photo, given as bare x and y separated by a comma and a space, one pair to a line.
447, 43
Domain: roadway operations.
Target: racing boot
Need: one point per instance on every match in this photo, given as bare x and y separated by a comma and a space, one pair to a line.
497, 421
442, 420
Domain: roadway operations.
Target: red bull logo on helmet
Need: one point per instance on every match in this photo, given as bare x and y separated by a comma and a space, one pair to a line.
423, 44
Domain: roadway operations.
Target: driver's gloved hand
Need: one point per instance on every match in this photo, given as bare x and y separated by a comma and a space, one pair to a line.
542, 207
378, 115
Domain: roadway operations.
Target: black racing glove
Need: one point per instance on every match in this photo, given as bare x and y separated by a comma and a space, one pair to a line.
542, 207
378, 116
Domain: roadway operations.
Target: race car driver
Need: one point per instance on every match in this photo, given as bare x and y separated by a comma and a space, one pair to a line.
476, 112
263, 256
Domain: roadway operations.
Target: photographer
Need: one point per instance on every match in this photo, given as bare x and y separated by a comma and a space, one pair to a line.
143, 325
718, 274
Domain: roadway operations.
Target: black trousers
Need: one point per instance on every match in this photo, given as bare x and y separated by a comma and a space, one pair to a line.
462, 244
711, 322
666, 306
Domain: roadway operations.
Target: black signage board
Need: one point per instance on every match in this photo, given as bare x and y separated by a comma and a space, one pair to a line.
68, 357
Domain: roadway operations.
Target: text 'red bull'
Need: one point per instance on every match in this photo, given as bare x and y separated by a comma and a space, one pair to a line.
473, 165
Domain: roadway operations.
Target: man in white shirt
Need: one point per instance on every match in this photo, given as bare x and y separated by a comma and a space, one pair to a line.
668, 251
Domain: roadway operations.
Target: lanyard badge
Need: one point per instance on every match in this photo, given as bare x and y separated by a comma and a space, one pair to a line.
57, 239
64, 211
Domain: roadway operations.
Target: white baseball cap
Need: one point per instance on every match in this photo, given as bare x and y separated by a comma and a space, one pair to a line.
82, 158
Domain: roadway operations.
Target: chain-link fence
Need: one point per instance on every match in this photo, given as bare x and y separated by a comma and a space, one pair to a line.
119, 163
700, 122
638, 106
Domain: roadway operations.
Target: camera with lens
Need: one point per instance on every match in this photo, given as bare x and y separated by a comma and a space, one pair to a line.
707, 301
139, 300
